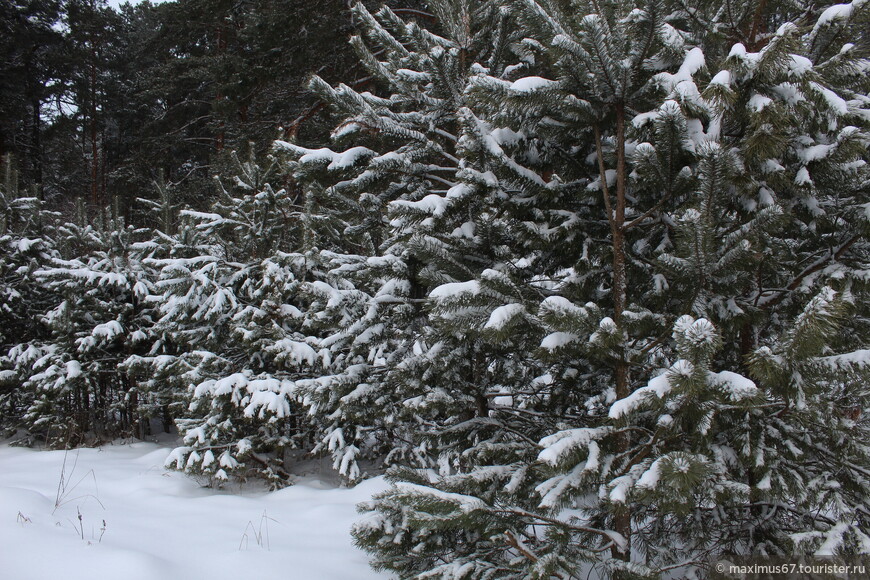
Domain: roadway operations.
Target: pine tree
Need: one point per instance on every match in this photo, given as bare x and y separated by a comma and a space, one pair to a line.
31, 46
242, 312
26, 245
96, 318
442, 340
695, 241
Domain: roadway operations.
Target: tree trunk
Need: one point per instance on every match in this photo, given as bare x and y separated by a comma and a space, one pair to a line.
622, 518
95, 158
220, 138
36, 152
33, 147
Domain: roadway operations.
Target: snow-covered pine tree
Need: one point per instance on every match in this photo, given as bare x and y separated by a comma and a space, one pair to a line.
698, 156
414, 172
564, 118
96, 318
242, 310
165, 397
26, 244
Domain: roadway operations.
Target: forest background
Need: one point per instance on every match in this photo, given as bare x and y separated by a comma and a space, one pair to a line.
587, 279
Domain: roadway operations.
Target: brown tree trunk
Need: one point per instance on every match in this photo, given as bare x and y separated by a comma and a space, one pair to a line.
622, 519
37, 148
95, 157
757, 28
33, 148
220, 138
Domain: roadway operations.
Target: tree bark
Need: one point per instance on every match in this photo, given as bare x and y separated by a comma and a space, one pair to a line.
622, 518
95, 157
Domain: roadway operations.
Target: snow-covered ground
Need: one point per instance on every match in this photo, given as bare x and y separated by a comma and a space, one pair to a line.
119, 514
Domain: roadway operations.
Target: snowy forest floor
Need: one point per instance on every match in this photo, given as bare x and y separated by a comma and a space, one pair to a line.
115, 512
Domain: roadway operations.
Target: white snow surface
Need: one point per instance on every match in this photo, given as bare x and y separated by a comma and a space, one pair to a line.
650, 477
557, 340
453, 289
736, 386
163, 524
504, 314
659, 385
561, 443
529, 84
841, 12
722, 78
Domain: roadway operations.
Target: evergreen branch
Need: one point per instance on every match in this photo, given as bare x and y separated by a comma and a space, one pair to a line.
434, 178
414, 12
839, 460
802, 513
684, 563
266, 464
612, 536
648, 42
293, 127
444, 133
643, 453
602, 173
603, 50
636, 221
401, 301
761, 300
527, 412
692, 13
515, 543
